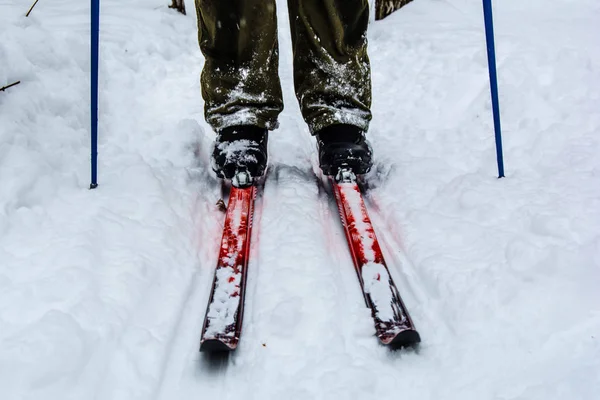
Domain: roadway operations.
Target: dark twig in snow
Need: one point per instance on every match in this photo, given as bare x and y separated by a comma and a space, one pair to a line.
29, 12
179, 5
2, 89
383, 8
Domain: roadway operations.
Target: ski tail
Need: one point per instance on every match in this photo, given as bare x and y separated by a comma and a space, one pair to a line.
223, 321
393, 324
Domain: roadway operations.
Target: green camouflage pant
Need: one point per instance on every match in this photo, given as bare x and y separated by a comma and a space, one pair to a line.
240, 83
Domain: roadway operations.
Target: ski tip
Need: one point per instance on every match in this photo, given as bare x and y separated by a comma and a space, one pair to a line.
216, 346
407, 338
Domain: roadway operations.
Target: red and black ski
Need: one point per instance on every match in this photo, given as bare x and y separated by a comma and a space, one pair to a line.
223, 322
225, 311
393, 324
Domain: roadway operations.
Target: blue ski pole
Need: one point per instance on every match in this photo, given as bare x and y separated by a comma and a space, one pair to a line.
95, 40
489, 36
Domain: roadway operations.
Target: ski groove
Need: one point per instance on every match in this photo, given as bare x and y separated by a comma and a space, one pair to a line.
403, 268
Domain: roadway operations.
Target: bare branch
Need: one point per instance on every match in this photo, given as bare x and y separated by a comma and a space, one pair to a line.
2, 89
29, 12
179, 5
383, 8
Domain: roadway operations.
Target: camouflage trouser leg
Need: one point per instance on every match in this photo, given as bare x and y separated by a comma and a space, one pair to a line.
240, 84
332, 74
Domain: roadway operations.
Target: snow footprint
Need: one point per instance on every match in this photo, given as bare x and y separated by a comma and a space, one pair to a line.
45, 352
552, 226
286, 316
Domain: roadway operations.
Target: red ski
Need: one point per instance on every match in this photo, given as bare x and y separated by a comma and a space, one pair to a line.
393, 324
225, 311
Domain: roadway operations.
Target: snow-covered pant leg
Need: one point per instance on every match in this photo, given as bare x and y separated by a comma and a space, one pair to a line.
240, 82
332, 74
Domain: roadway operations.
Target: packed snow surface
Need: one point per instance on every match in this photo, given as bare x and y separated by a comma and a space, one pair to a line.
103, 292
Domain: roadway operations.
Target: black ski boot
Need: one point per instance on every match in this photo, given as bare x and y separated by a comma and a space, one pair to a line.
343, 147
240, 152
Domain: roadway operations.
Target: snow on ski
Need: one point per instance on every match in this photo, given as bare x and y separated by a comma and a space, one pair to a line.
393, 324
225, 311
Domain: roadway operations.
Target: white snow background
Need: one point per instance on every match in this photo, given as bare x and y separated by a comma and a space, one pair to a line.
102, 293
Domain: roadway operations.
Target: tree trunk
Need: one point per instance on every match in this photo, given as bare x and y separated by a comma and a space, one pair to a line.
179, 5
383, 8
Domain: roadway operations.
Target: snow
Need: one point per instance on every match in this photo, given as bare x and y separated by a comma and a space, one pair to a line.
235, 150
228, 276
374, 275
221, 312
103, 293
375, 278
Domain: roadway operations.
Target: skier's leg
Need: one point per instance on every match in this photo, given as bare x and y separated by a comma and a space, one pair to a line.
332, 78
332, 74
240, 83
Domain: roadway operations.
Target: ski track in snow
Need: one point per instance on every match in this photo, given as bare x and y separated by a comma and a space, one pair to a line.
103, 293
